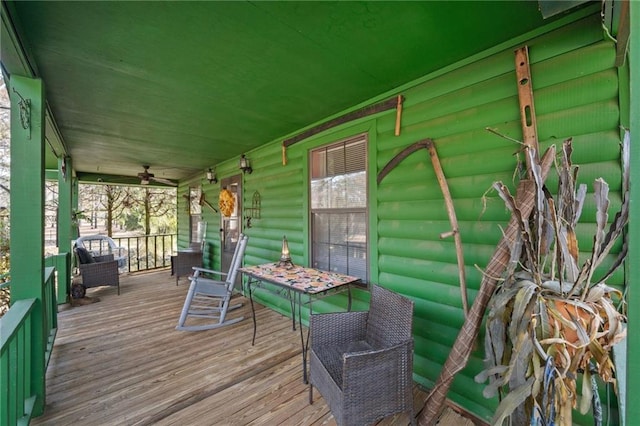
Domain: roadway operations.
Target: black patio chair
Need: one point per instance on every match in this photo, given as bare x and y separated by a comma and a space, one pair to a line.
97, 271
362, 362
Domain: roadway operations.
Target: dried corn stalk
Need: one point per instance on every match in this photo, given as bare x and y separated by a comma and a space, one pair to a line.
552, 319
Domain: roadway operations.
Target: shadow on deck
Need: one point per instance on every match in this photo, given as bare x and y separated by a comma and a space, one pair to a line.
120, 361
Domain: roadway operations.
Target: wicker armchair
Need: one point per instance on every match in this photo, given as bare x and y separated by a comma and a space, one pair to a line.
101, 245
362, 362
97, 271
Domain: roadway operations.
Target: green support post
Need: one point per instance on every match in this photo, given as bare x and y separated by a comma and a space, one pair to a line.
27, 216
75, 196
65, 226
632, 403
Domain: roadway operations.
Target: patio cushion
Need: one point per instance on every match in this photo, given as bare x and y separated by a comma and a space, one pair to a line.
84, 256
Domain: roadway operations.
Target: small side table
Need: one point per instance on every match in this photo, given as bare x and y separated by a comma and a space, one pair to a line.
183, 262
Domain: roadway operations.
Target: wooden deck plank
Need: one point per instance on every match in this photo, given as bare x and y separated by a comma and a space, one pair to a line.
120, 361
255, 393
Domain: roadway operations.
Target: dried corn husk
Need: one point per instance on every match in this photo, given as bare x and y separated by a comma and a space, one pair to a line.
550, 320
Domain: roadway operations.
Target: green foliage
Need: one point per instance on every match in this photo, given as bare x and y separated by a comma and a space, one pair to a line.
4, 234
132, 221
128, 207
5, 292
165, 224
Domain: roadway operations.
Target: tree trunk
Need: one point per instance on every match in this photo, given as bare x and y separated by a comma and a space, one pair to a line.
147, 212
110, 207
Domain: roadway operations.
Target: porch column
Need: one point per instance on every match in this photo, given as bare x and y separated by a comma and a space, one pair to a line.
75, 197
64, 231
632, 400
65, 194
27, 214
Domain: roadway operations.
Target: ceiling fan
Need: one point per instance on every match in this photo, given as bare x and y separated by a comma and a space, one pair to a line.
146, 178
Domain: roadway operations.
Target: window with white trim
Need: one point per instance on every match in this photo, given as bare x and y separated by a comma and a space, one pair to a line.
195, 213
338, 198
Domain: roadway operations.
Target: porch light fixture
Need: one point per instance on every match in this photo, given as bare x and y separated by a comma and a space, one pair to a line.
285, 256
245, 165
211, 176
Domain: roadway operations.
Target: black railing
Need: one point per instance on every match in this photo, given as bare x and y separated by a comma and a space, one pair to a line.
148, 252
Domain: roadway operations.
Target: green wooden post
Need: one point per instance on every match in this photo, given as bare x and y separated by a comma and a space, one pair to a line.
27, 215
75, 230
65, 227
632, 403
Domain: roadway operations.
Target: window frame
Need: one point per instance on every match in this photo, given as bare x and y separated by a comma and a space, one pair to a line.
195, 212
364, 139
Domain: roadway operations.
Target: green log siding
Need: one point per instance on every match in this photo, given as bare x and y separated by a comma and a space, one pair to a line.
576, 95
184, 233
282, 191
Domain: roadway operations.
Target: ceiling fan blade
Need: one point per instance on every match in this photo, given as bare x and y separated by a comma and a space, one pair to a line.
165, 181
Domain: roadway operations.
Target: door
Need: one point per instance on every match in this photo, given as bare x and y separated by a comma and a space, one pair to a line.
230, 226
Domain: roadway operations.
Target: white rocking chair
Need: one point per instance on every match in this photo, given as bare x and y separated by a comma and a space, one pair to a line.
209, 298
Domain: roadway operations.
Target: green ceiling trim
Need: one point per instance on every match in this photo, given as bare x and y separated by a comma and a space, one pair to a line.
53, 136
14, 50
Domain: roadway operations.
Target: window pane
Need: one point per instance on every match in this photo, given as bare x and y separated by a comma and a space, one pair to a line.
356, 187
338, 193
357, 228
339, 159
318, 164
320, 228
321, 256
338, 228
336, 161
194, 200
338, 258
194, 220
358, 261
320, 190
355, 156
339, 182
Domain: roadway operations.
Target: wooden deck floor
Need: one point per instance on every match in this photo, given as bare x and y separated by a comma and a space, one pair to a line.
120, 361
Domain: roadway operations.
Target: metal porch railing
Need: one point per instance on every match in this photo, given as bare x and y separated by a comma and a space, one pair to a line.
147, 252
